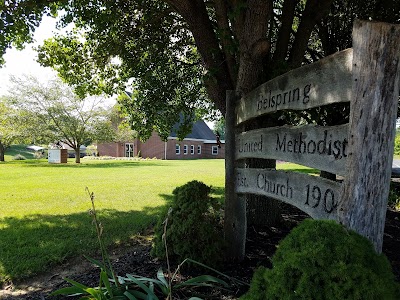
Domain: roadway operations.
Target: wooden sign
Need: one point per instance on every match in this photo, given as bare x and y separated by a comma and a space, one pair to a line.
316, 196
361, 150
323, 148
324, 82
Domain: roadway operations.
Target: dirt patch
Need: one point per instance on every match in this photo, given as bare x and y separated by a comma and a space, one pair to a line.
136, 259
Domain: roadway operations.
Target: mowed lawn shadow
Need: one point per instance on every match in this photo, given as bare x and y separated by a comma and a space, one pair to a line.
34, 243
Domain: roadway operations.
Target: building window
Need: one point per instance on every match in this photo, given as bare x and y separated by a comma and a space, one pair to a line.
199, 149
192, 149
177, 149
185, 149
214, 150
129, 150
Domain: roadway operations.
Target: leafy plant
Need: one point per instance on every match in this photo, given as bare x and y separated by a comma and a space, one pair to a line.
194, 217
137, 287
324, 260
394, 196
397, 144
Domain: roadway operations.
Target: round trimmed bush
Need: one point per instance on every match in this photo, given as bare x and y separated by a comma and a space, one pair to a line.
324, 260
193, 229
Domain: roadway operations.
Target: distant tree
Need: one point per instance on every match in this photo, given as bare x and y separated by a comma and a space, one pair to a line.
118, 126
13, 126
62, 115
219, 128
8, 130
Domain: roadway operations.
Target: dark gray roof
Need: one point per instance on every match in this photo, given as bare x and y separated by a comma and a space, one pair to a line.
200, 131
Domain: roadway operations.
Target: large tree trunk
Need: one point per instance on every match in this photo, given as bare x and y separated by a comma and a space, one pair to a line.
2, 149
217, 80
262, 210
77, 155
252, 30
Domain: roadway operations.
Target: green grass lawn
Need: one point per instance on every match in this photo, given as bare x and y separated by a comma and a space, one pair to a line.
44, 214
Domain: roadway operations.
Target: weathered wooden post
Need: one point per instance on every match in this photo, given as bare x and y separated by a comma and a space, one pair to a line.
373, 108
235, 206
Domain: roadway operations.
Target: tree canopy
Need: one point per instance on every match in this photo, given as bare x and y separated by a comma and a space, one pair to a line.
56, 114
12, 126
178, 53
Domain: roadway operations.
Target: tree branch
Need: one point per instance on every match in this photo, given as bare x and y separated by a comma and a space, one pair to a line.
313, 13
221, 12
282, 44
254, 45
217, 80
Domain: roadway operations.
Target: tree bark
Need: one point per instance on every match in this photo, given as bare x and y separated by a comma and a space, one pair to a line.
227, 43
282, 44
313, 13
253, 44
262, 210
2, 149
77, 155
217, 80
252, 33
376, 67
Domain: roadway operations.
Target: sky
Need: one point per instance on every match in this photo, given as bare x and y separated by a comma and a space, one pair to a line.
19, 63
23, 62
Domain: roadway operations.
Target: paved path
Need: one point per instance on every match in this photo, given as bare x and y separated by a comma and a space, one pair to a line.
396, 168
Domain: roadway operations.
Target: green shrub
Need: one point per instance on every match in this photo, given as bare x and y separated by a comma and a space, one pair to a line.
39, 154
19, 157
397, 144
394, 196
193, 227
323, 260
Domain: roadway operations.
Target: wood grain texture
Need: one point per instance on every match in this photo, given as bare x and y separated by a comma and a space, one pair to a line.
324, 82
316, 196
371, 129
235, 224
323, 148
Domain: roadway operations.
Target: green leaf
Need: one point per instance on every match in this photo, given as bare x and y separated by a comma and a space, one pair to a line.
96, 262
142, 286
130, 296
161, 277
95, 293
204, 279
137, 294
73, 290
77, 284
104, 278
